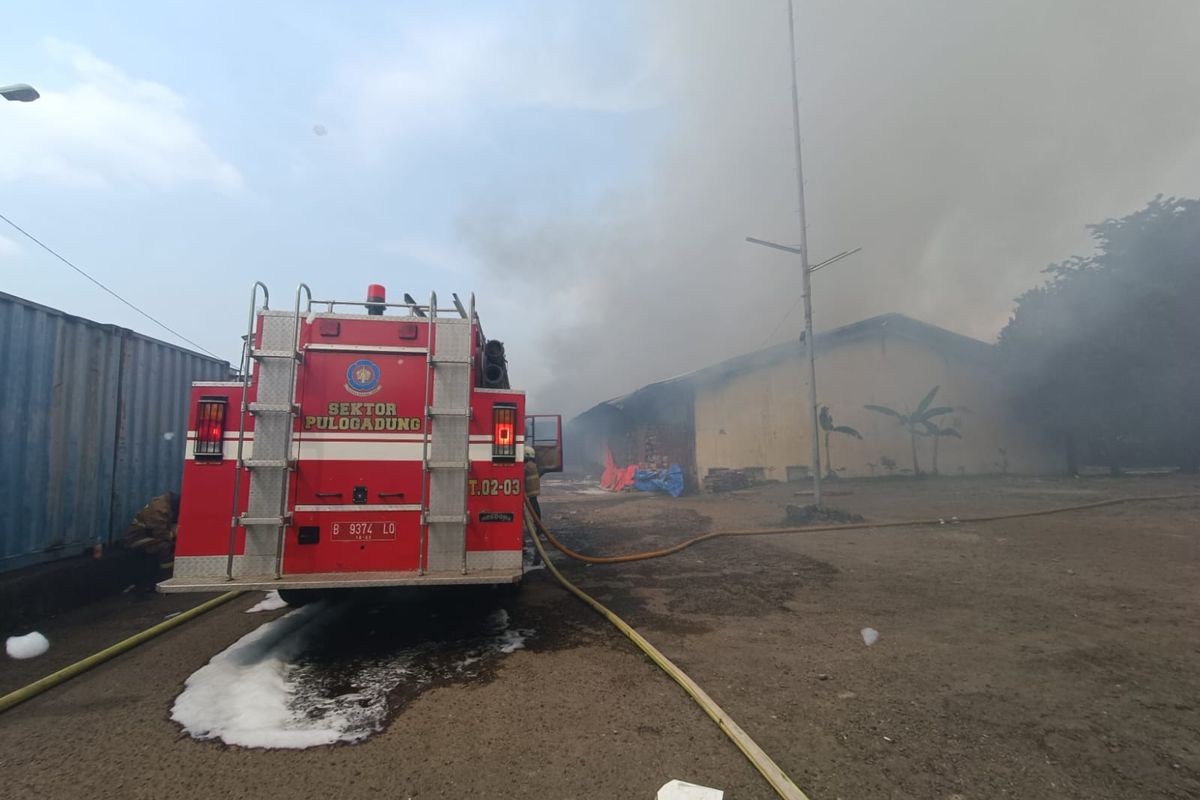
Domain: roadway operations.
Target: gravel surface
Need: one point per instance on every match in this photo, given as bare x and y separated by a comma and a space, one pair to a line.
1044, 657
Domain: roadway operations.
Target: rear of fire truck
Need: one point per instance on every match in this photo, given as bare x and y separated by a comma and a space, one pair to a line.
358, 450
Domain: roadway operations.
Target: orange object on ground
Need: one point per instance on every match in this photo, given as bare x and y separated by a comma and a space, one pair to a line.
616, 478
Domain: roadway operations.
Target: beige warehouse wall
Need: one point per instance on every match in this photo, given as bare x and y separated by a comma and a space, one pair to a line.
759, 419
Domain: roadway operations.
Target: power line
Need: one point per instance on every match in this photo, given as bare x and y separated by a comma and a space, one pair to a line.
811, 269
779, 325
64, 260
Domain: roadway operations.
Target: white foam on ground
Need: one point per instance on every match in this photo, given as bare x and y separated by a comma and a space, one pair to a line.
241, 696
256, 693
270, 602
31, 645
504, 640
511, 641
870, 636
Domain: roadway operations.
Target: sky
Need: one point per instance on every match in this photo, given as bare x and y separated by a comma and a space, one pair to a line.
589, 170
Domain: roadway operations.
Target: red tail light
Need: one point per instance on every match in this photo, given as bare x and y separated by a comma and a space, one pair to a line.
504, 432
210, 429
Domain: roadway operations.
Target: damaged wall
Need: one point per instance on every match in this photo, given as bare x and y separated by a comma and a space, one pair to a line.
751, 412
653, 428
760, 418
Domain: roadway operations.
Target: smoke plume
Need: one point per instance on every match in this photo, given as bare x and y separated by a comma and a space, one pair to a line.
964, 146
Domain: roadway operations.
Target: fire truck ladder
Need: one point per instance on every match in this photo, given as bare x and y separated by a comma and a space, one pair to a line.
271, 459
446, 454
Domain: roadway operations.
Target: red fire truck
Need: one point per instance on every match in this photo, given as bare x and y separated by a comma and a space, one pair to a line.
358, 450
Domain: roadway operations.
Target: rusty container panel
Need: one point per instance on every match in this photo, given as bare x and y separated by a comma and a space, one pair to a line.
84, 413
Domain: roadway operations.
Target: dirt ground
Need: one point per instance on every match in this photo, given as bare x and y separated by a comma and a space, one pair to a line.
1052, 656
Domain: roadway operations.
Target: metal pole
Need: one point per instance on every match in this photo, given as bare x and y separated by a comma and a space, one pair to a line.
806, 277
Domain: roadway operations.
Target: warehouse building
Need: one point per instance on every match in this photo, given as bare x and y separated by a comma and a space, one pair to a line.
750, 412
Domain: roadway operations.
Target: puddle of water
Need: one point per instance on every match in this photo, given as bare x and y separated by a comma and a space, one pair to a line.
329, 673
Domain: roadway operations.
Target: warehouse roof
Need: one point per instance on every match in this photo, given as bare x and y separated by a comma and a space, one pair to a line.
894, 325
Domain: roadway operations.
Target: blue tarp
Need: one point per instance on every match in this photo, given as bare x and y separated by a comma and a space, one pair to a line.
669, 480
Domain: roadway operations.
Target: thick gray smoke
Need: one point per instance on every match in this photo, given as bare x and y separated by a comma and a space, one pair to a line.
963, 145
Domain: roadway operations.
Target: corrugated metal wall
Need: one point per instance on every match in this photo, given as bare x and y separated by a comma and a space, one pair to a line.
93, 424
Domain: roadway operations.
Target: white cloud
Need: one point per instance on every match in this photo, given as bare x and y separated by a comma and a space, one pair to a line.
8, 248
441, 78
107, 128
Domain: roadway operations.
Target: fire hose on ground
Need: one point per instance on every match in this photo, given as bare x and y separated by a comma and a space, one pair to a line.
774, 775
79, 667
778, 780
852, 526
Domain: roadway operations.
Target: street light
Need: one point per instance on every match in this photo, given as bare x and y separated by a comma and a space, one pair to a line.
809, 348
19, 92
802, 251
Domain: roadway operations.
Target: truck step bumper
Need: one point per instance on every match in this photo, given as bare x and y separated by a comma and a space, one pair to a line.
337, 580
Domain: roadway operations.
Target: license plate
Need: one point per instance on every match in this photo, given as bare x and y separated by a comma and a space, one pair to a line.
362, 531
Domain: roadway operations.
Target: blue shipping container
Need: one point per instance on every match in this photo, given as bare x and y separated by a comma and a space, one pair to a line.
93, 423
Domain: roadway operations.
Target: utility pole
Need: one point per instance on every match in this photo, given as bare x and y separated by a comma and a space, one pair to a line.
806, 271
806, 278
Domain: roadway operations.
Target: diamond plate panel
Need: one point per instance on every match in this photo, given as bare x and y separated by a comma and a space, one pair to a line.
452, 382
445, 547
449, 439
261, 540
448, 442
334, 580
214, 566
266, 488
493, 559
199, 566
253, 566
453, 338
274, 381
278, 332
447, 488
272, 436
451, 386
274, 385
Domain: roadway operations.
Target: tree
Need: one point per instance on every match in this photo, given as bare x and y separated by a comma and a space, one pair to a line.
826, 421
916, 423
932, 430
1105, 355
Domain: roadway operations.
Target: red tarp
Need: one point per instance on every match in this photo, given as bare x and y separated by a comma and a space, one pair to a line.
616, 478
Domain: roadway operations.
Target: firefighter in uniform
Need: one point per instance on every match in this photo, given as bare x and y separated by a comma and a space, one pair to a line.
533, 480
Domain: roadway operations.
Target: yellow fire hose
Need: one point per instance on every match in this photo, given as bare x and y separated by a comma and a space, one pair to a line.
66, 673
775, 776
854, 526
770, 770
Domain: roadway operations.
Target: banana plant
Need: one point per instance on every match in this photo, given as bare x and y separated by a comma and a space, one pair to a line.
915, 422
826, 421
936, 433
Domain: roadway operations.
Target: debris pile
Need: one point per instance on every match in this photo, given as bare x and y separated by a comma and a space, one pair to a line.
720, 479
811, 515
